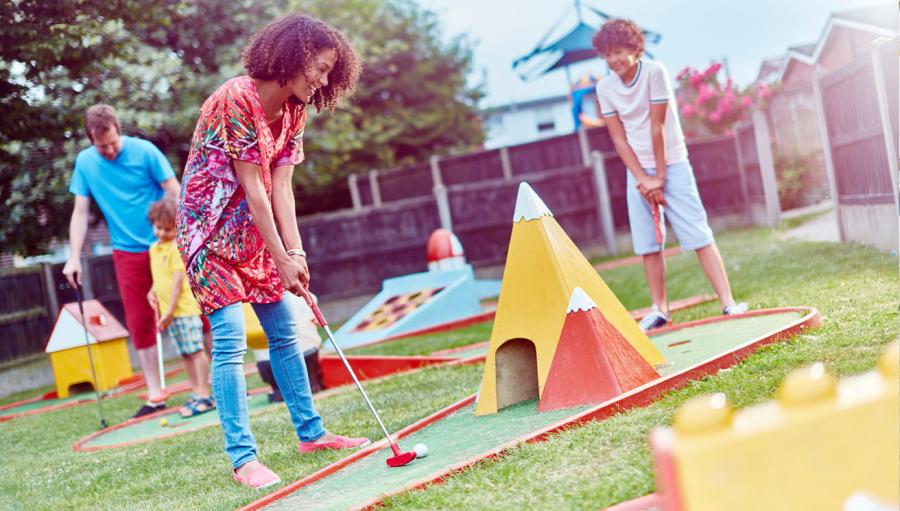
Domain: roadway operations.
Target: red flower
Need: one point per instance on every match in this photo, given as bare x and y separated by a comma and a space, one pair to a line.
696, 79
712, 70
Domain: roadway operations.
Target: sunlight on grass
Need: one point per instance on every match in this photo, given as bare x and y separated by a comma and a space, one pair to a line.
586, 467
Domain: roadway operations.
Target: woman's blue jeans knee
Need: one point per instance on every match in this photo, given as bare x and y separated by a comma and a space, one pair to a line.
230, 388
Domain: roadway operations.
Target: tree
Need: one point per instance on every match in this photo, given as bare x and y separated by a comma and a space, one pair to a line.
157, 61
57, 58
412, 100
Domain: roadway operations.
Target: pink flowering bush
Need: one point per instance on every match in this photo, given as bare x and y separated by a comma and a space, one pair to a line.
710, 107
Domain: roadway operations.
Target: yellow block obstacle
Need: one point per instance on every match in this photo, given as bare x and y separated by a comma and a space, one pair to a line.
813, 447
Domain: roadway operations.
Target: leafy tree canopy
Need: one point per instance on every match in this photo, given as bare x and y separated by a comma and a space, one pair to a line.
156, 62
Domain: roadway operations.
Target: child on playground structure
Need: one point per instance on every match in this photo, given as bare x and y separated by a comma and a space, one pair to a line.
237, 226
638, 106
178, 312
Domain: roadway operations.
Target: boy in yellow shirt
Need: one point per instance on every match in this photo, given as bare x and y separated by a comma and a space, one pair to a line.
178, 312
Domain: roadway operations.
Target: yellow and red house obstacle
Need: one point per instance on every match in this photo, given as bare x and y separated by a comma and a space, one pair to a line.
69, 361
68, 348
546, 328
820, 444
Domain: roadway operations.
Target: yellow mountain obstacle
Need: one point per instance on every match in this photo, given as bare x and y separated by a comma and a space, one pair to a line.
543, 267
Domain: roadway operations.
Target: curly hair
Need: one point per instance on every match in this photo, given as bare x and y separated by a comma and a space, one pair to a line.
286, 48
162, 212
619, 33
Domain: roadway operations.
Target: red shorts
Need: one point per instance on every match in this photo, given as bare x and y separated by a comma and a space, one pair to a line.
135, 280
206, 326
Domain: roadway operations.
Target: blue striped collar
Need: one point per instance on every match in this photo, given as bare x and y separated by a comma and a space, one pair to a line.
636, 75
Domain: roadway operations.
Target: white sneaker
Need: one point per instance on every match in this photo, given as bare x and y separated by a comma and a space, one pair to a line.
653, 320
731, 310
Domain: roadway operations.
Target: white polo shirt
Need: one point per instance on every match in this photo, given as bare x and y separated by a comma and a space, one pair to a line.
631, 102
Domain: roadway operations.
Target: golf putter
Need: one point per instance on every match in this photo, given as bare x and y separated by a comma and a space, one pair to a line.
657, 221
399, 458
87, 343
159, 357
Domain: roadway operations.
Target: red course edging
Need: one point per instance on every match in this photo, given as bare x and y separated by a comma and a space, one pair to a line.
338, 465
634, 398
482, 317
79, 445
367, 367
132, 384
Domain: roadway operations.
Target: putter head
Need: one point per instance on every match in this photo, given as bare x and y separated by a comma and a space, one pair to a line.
401, 459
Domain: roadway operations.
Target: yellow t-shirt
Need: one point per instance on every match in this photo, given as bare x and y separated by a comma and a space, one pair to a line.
164, 262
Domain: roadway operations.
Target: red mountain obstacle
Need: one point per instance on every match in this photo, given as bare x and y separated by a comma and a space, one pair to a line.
593, 361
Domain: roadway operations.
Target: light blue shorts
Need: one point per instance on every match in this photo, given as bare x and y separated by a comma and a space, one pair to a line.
683, 209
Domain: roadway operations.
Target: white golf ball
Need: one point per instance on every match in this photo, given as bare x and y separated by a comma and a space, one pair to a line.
421, 450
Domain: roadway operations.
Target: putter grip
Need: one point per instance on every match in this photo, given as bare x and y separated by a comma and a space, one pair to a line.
318, 314
656, 223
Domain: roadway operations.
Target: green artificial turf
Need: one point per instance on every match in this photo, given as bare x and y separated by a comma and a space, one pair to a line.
585, 467
429, 343
604, 463
463, 435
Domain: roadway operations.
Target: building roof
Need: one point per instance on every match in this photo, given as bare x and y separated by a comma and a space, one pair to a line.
524, 105
804, 49
882, 15
68, 332
768, 70
879, 20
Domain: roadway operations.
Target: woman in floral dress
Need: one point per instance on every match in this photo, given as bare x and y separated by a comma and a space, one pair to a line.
237, 227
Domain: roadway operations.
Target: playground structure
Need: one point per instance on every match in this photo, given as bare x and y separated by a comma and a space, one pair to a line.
106, 338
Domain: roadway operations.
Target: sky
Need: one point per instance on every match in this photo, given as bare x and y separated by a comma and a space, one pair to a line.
694, 32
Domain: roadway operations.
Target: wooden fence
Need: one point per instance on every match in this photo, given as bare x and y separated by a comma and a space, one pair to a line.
351, 252
858, 123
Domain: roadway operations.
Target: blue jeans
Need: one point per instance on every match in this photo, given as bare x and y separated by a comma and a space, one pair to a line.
230, 387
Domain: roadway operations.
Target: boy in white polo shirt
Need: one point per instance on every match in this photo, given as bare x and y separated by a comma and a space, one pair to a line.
639, 110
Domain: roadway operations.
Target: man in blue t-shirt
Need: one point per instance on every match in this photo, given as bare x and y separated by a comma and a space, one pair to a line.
124, 175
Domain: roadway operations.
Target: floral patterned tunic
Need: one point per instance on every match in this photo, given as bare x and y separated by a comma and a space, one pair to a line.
223, 251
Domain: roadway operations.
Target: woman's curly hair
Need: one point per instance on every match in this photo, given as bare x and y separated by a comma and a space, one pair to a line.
287, 47
619, 33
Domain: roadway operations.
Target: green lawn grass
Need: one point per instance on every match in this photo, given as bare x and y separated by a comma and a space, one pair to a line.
429, 343
603, 463
587, 467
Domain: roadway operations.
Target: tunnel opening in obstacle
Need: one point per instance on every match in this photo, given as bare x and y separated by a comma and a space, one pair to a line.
517, 375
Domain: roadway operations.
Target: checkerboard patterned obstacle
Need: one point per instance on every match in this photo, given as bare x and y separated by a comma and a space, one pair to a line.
395, 308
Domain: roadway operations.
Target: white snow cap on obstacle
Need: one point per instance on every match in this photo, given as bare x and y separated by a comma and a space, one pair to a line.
580, 301
528, 205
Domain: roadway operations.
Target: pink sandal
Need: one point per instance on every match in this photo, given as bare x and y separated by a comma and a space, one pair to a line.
260, 477
337, 442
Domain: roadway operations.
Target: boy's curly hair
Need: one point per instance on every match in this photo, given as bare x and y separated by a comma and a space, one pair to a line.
162, 212
619, 33
286, 48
